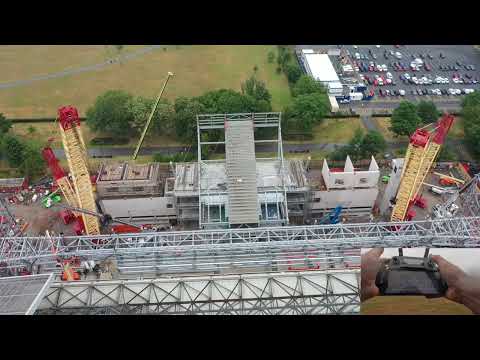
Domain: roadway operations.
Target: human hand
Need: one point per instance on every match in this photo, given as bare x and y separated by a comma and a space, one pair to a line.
462, 288
370, 266
452, 275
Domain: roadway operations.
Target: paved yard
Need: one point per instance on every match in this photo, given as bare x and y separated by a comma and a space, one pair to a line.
466, 55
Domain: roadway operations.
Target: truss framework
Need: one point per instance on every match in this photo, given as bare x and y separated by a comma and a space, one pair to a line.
240, 247
301, 293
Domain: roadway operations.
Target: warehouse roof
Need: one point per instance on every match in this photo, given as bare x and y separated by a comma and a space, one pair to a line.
321, 67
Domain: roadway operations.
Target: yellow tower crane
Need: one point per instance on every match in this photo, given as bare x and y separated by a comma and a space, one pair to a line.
76, 153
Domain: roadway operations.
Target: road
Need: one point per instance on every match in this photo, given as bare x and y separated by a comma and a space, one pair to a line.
123, 151
287, 148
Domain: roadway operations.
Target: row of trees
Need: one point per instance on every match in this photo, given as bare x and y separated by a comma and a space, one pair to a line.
20, 154
118, 113
471, 121
408, 117
361, 146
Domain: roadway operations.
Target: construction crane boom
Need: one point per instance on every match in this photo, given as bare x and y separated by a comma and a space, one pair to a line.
147, 125
75, 152
104, 218
422, 150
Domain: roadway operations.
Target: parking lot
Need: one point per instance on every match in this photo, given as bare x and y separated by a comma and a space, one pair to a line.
439, 71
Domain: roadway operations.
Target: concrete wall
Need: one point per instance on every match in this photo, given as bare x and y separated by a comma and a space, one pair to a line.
349, 198
392, 186
350, 178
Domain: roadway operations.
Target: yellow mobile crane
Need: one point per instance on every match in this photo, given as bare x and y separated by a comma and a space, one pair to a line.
76, 153
421, 153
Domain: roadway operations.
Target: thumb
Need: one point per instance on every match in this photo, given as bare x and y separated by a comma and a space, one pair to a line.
376, 252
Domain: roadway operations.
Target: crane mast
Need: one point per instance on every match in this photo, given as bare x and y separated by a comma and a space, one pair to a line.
75, 151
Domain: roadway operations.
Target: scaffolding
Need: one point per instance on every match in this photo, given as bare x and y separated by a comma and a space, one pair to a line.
240, 155
223, 250
300, 293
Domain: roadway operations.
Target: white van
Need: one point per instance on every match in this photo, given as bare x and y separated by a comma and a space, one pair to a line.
437, 190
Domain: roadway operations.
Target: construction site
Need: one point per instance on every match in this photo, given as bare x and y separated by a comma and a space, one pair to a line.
237, 235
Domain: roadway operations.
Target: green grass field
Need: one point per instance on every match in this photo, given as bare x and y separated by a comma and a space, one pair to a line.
383, 124
333, 131
197, 69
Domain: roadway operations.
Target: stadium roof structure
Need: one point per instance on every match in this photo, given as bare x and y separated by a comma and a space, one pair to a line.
21, 295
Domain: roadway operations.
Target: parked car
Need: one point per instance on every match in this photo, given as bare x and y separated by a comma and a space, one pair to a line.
442, 56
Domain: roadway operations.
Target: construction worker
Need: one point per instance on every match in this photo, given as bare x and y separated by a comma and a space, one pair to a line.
462, 288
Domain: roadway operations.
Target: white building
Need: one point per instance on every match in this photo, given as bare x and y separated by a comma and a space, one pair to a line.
320, 67
354, 190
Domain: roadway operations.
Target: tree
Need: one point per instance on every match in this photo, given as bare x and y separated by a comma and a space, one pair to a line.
405, 119
5, 124
110, 113
271, 57
372, 144
427, 111
293, 72
186, 111
13, 149
163, 119
306, 111
471, 121
33, 163
307, 85
263, 106
283, 57
361, 146
256, 89
226, 101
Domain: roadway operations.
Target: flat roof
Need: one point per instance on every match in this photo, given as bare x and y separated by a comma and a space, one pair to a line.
139, 207
321, 67
138, 172
21, 295
111, 172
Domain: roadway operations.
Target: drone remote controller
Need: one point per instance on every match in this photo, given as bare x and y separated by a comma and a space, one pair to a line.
403, 275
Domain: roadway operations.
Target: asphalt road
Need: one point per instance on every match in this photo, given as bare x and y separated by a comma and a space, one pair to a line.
99, 152
287, 148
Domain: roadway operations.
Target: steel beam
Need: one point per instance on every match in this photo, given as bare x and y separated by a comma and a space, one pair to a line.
299, 293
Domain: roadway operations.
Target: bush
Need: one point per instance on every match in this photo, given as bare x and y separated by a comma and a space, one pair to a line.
177, 157
293, 72
271, 57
